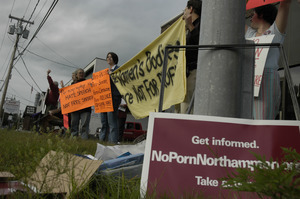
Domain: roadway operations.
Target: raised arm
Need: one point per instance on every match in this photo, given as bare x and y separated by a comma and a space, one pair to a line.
282, 15
62, 84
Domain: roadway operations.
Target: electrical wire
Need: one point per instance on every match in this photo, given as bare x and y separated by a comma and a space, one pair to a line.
40, 10
29, 73
36, 32
5, 32
17, 95
27, 8
34, 10
41, 24
25, 79
12, 7
50, 59
6, 61
32, 13
57, 53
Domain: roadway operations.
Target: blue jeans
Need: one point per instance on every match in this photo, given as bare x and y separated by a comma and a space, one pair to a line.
109, 122
83, 129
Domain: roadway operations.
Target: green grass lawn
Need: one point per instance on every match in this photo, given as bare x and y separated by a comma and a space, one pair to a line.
21, 153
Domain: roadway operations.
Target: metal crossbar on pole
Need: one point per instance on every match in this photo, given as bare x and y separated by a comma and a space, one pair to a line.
290, 83
232, 46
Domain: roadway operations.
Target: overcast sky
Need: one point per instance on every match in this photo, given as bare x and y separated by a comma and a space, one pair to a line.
76, 32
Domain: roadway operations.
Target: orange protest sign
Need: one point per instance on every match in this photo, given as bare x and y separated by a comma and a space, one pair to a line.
102, 92
256, 3
76, 97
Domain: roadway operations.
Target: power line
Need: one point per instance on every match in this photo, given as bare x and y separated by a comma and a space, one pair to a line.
5, 31
12, 7
25, 79
41, 24
49, 59
37, 30
4, 35
56, 53
19, 33
9, 70
33, 12
18, 96
40, 10
27, 9
29, 73
6, 61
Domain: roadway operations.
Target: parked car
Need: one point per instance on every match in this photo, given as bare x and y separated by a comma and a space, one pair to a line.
133, 130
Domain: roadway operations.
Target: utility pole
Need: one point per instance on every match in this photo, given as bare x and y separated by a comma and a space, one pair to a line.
220, 76
19, 32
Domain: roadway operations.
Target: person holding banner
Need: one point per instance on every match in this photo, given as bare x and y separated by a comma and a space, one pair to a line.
82, 115
109, 120
191, 16
268, 20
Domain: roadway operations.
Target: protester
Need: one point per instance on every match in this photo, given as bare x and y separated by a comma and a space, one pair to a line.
109, 120
50, 102
53, 93
74, 77
74, 80
122, 116
266, 105
80, 120
191, 16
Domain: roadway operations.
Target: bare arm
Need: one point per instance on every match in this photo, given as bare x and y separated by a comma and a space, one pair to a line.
282, 15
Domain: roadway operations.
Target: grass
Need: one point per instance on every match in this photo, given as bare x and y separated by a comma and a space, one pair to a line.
21, 153
20, 149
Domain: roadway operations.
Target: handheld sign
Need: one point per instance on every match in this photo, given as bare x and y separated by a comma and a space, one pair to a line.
102, 92
76, 97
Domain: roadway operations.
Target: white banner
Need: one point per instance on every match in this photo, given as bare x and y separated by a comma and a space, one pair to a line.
261, 54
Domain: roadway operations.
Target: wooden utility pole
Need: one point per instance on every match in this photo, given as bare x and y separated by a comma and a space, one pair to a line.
19, 31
